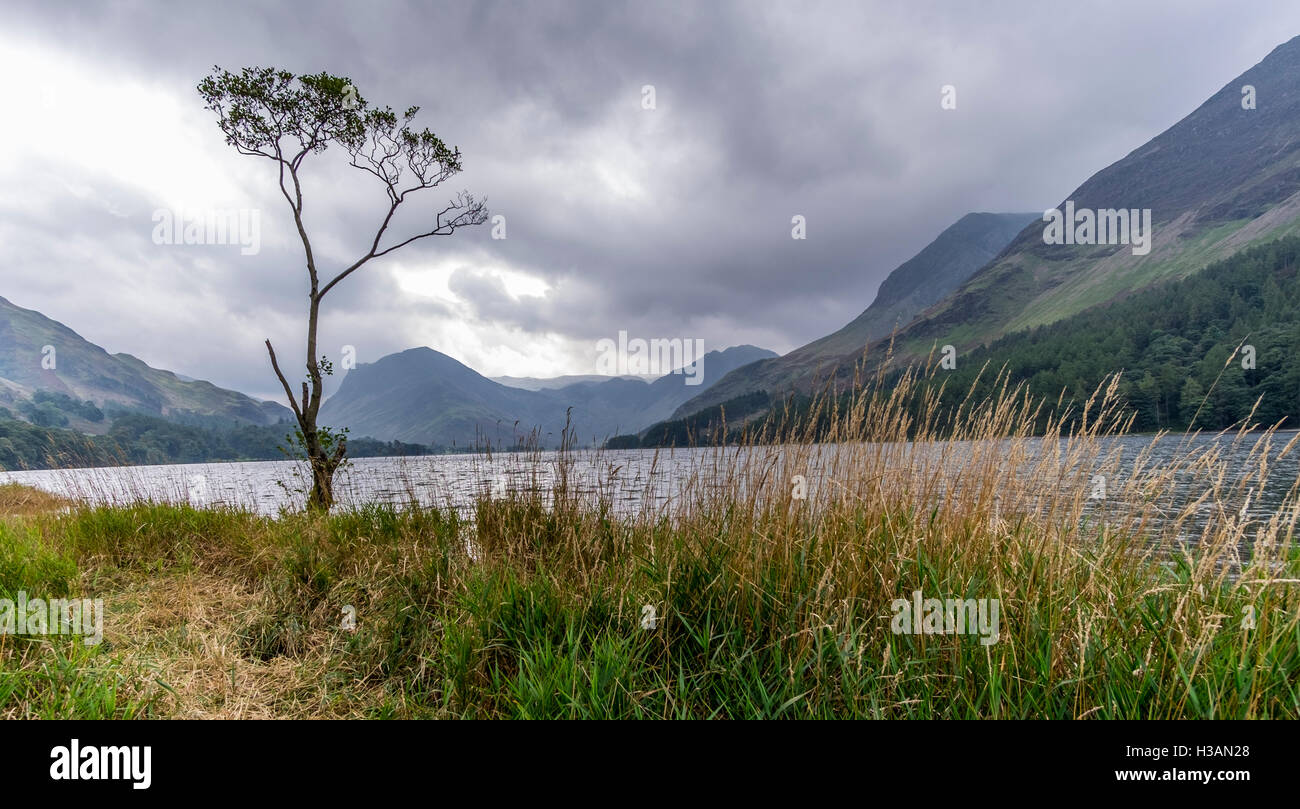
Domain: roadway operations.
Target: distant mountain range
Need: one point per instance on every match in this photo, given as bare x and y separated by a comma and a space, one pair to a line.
40, 354
554, 382
1222, 179
54, 379
425, 397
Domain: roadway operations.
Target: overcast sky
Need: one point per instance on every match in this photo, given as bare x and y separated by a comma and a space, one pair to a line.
670, 222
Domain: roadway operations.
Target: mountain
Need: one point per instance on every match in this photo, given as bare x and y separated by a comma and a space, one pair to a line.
424, 396
1222, 179
914, 285
923, 280
1219, 180
82, 371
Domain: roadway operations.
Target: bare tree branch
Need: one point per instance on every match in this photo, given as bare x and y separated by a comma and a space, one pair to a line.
287, 390
469, 211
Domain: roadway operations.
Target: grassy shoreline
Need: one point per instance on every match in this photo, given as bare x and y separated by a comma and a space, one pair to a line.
767, 604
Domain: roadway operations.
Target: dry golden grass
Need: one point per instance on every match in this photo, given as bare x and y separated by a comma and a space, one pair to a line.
19, 500
180, 631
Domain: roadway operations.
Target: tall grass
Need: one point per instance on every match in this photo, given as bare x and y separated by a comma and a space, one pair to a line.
771, 570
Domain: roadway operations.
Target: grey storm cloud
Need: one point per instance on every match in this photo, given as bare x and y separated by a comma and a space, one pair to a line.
673, 221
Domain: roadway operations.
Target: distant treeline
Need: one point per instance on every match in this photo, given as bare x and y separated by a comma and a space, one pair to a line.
1192, 353
135, 438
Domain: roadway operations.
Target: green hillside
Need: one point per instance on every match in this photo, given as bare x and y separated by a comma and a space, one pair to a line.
1175, 344
31, 342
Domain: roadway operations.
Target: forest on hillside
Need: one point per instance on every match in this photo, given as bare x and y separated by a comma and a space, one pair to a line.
135, 438
1195, 353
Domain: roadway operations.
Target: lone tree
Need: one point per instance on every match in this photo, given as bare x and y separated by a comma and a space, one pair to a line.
273, 114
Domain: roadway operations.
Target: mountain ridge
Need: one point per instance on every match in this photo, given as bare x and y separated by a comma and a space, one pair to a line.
84, 371
1216, 181
948, 259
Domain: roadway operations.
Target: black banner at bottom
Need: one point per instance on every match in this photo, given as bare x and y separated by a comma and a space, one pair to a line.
332, 759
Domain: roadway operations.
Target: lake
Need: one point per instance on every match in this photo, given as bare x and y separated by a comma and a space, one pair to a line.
636, 480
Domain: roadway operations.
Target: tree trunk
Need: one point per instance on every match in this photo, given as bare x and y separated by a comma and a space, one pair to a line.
324, 460
323, 456
323, 466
